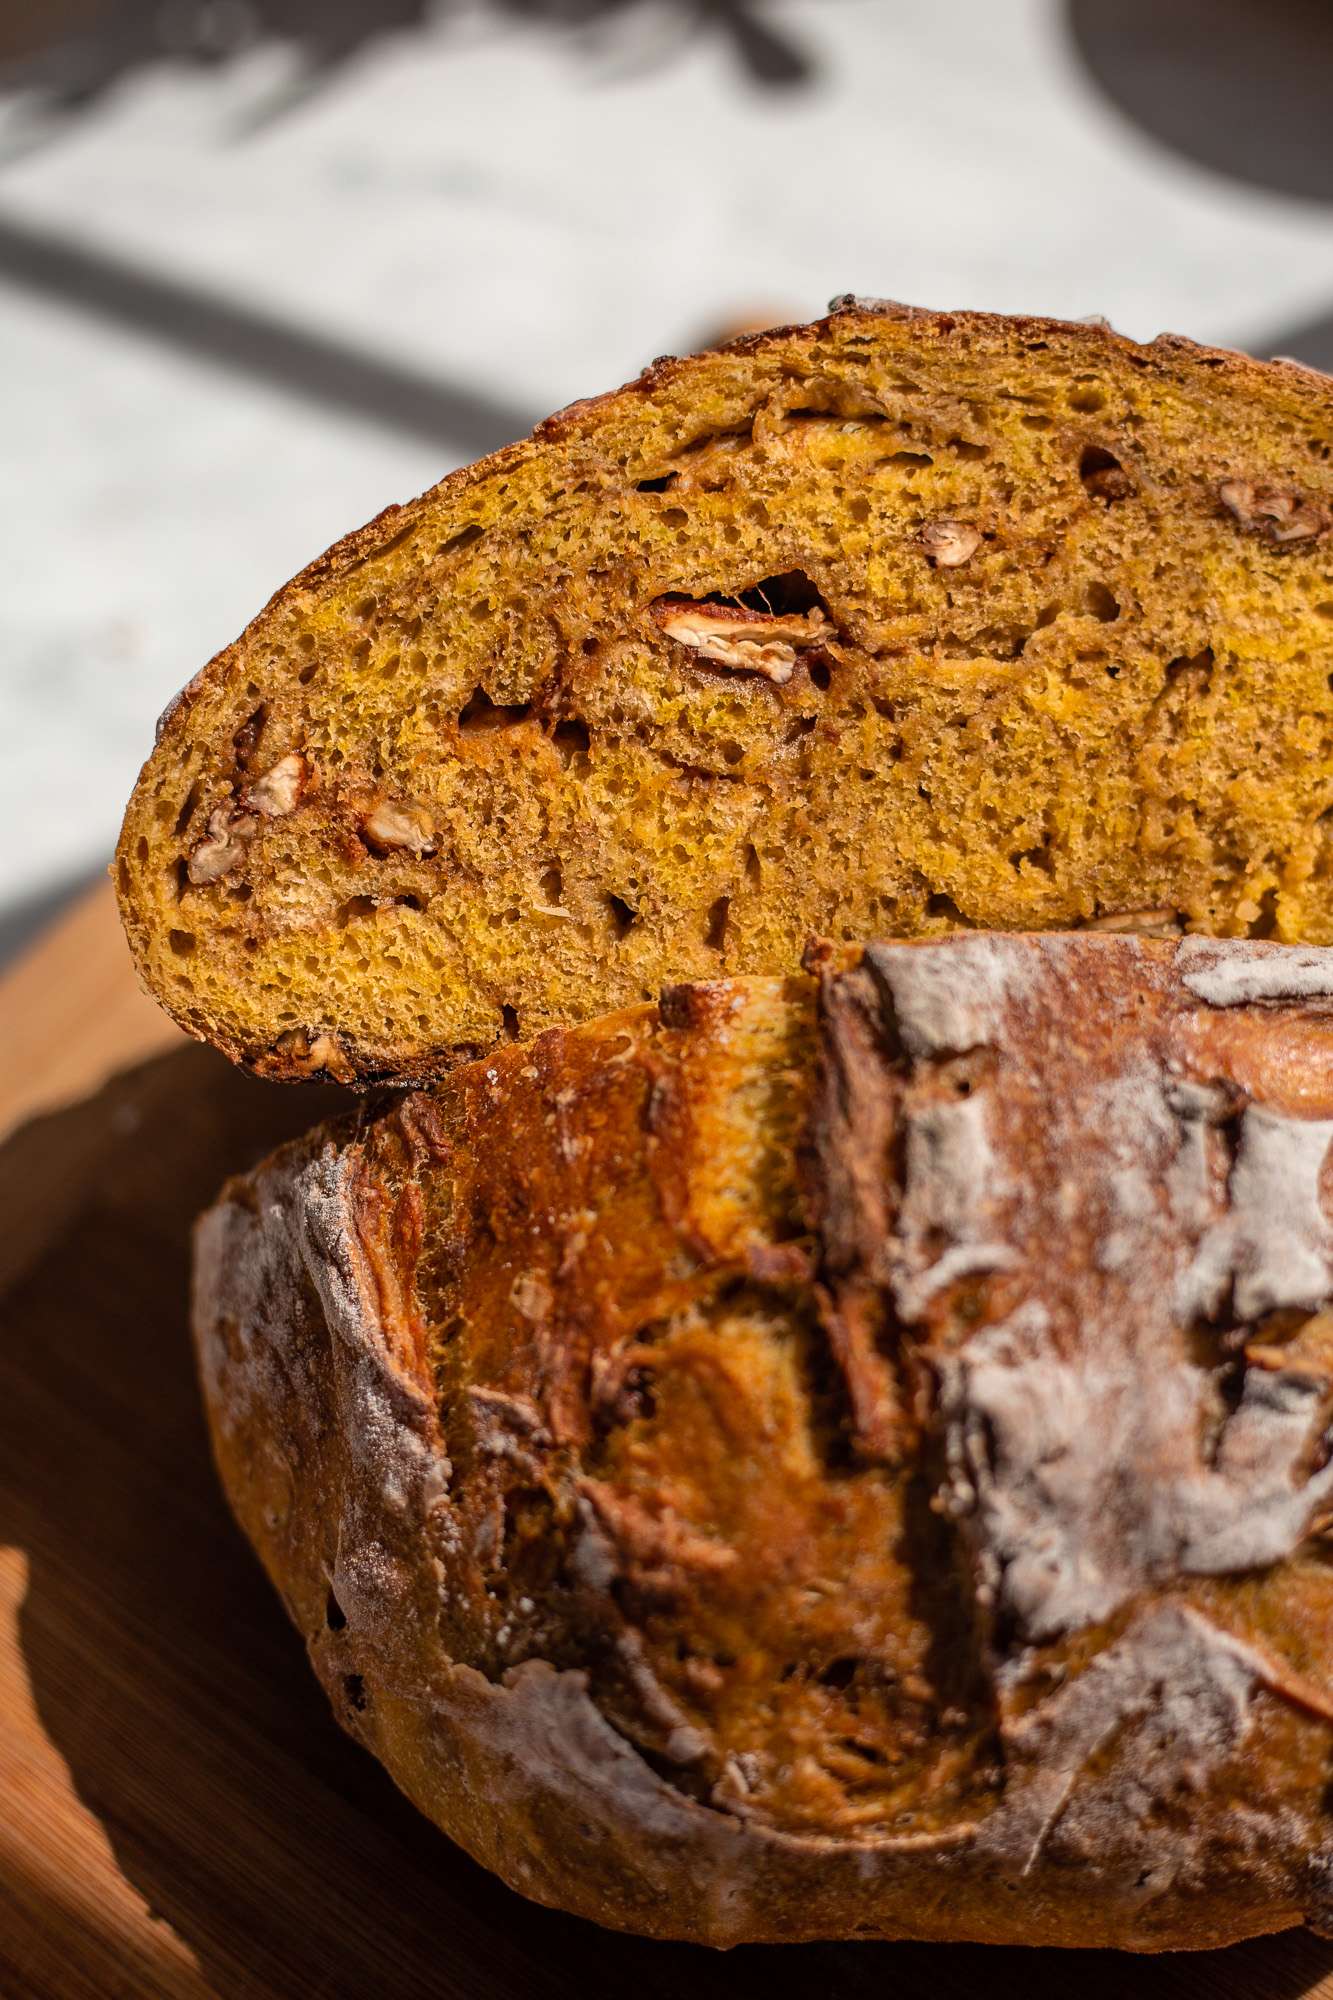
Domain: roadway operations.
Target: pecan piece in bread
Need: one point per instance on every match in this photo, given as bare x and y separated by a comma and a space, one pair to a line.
732, 635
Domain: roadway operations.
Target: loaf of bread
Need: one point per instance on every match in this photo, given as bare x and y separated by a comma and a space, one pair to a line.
893, 624
836, 1457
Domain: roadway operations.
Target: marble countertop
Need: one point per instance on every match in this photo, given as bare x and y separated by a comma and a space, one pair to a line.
238, 315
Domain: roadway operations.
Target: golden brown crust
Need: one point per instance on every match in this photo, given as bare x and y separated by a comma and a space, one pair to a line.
751, 734
843, 1458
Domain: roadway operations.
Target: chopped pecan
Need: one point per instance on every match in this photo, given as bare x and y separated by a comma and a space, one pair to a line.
223, 848
1282, 515
1156, 922
732, 635
314, 1050
280, 789
949, 544
388, 825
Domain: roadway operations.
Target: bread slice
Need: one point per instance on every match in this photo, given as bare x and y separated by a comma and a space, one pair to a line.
819, 1459
892, 624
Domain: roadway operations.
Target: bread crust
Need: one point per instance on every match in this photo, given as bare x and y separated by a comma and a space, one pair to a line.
1058, 1209
327, 1048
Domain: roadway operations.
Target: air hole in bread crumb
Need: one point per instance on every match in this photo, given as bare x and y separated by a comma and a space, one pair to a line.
572, 738
1034, 857
334, 1615
820, 675
753, 869
354, 908
182, 942
354, 1687
509, 1022
1101, 602
246, 740
869, 1752
1103, 476
622, 914
719, 916
464, 539
944, 907
552, 885
1088, 397
850, 417
658, 485
1265, 924
188, 805
788, 595
839, 1673
481, 713
1195, 669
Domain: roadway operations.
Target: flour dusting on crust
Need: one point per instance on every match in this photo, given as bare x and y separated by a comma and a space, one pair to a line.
1236, 974
1091, 1456
1078, 1263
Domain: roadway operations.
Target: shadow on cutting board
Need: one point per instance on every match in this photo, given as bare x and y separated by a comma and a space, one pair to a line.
164, 1674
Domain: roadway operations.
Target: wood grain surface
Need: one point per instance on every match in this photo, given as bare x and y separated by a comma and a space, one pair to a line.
179, 1814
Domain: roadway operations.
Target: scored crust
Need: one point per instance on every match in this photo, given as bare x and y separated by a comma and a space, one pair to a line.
891, 624
828, 1458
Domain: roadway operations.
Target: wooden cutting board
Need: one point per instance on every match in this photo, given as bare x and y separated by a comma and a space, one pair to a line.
179, 1814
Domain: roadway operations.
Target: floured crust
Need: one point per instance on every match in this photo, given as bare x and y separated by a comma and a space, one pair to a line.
842, 1458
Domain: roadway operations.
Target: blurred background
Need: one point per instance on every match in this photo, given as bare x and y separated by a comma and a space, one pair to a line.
267, 265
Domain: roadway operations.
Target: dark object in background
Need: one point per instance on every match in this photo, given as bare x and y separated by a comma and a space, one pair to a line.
1239, 86
67, 54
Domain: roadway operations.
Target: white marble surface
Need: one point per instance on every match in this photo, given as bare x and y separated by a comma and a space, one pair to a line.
531, 217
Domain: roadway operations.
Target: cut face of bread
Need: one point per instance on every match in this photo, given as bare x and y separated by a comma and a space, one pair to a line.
835, 1458
890, 624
